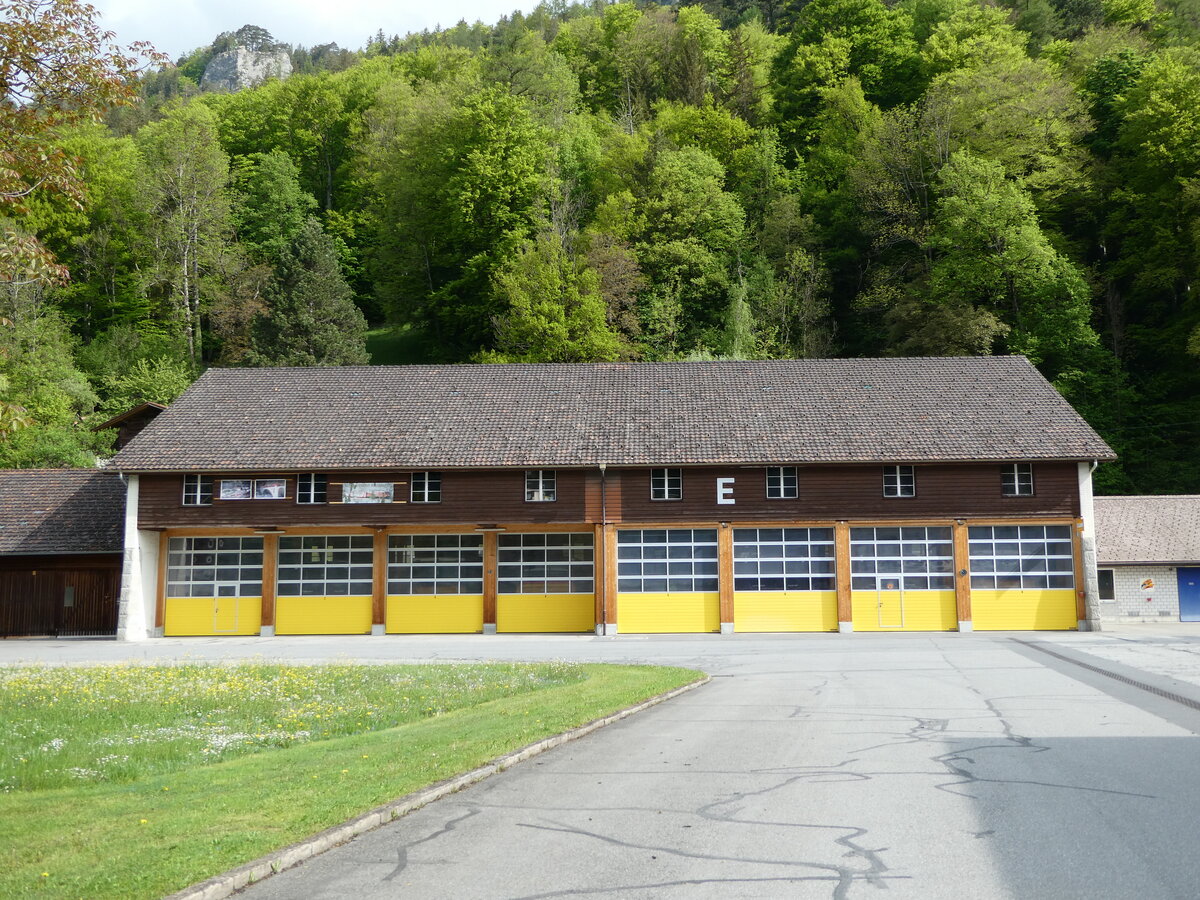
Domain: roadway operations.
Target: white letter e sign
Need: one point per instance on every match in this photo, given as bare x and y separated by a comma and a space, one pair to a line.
725, 492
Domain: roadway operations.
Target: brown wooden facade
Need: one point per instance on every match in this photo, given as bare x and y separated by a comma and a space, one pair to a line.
57, 596
944, 490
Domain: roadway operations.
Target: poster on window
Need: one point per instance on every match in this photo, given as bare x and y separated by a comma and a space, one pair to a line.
367, 492
270, 489
236, 489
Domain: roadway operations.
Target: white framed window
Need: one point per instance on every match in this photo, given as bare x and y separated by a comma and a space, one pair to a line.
1016, 480
782, 483
214, 567
539, 486
666, 484
916, 558
783, 559
426, 487
312, 487
435, 564
899, 481
320, 565
197, 490
1021, 557
667, 559
559, 563
1107, 583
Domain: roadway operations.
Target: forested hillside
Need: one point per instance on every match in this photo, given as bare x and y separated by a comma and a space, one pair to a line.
745, 178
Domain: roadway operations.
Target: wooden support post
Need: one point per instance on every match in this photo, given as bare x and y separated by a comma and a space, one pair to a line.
962, 576
160, 602
1080, 583
490, 543
841, 551
379, 556
725, 575
599, 566
270, 581
609, 576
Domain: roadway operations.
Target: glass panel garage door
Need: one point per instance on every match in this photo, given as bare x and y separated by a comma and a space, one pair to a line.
902, 578
214, 586
325, 584
1022, 577
783, 579
435, 584
546, 582
667, 580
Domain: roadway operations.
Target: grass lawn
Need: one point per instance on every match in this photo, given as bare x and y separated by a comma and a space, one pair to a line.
135, 781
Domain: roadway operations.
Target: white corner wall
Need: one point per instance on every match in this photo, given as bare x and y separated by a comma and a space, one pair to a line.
139, 573
1087, 546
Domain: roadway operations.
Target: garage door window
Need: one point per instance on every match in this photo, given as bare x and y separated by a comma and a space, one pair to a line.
1021, 557
656, 560
435, 564
783, 559
215, 567
546, 564
325, 565
917, 558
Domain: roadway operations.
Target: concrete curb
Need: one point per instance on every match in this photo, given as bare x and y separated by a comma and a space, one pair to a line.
227, 883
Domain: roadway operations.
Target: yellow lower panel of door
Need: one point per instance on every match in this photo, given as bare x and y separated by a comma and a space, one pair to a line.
682, 611
922, 611
434, 614
1040, 610
185, 616
545, 612
785, 611
323, 615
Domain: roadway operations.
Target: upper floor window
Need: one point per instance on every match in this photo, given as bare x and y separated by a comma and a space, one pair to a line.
539, 485
782, 483
666, 484
1016, 480
197, 490
312, 487
899, 481
426, 487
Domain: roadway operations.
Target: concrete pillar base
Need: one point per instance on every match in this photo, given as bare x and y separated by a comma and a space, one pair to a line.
267, 631
845, 628
489, 628
965, 626
158, 632
378, 630
726, 628
609, 630
1085, 625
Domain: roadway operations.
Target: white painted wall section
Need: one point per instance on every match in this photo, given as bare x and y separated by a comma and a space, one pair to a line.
139, 573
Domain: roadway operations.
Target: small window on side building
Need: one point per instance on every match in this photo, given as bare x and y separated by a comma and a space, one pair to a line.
782, 483
1108, 587
1016, 480
312, 487
539, 486
899, 481
197, 490
666, 484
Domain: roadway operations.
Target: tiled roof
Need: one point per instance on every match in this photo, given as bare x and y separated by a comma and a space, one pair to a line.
55, 511
465, 416
1148, 529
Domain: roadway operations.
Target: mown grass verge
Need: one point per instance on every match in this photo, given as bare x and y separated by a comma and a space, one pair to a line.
158, 833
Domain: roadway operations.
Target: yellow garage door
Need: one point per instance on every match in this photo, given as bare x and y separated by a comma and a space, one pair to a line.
667, 580
435, 583
325, 584
214, 586
546, 582
902, 578
323, 615
184, 616
783, 579
1022, 578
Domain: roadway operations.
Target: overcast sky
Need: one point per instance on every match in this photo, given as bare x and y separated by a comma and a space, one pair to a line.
177, 26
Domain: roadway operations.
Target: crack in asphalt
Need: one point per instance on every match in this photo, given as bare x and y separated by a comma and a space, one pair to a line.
447, 827
689, 882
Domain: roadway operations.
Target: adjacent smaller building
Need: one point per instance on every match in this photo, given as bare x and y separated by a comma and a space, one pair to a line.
61, 542
1148, 556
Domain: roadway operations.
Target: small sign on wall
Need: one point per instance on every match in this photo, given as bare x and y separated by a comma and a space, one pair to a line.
725, 492
367, 492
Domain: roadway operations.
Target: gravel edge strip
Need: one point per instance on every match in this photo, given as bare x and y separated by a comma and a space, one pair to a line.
227, 883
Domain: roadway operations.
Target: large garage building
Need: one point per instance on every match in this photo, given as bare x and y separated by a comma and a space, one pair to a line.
764, 496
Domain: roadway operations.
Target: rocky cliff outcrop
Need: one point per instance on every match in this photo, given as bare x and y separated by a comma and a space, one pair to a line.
242, 68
